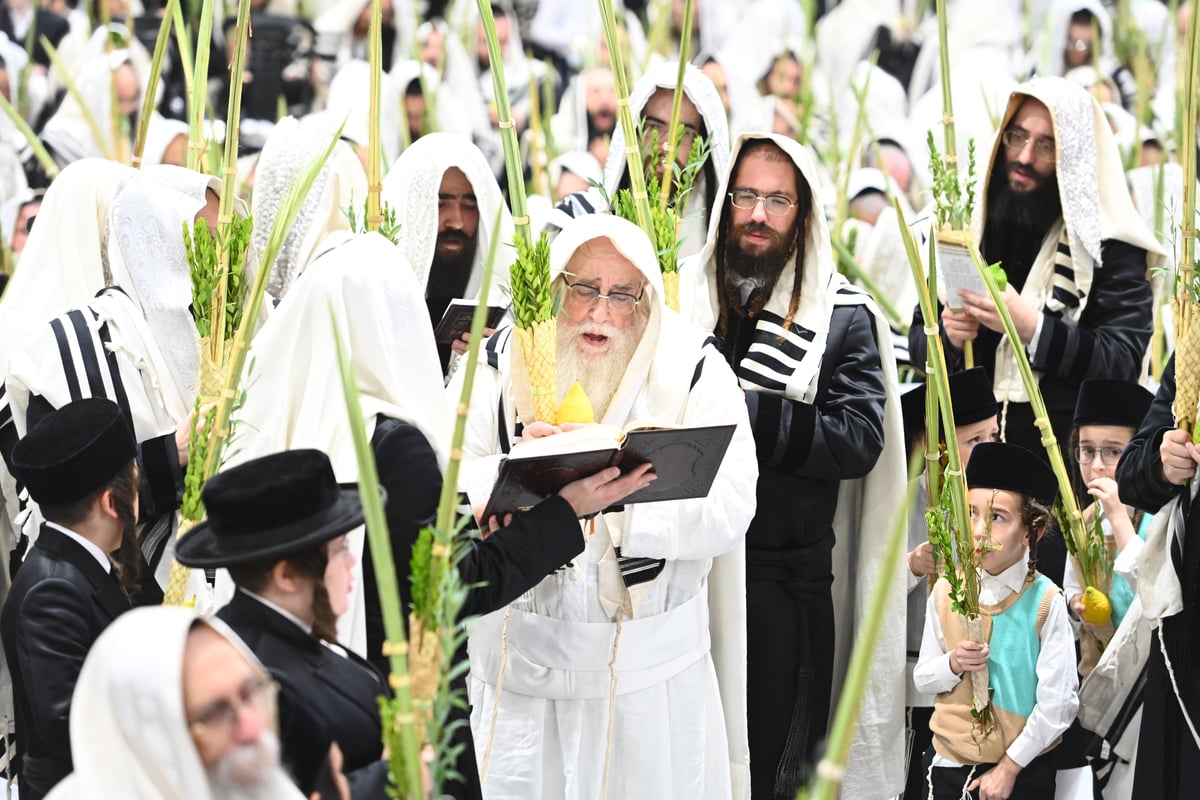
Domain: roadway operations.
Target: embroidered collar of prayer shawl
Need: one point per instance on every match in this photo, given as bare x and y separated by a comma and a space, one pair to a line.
411, 190
150, 261
1096, 206
290, 148
131, 739
820, 286
298, 403
65, 261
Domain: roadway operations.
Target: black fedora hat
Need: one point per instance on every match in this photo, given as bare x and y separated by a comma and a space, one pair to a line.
269, 508
73, 451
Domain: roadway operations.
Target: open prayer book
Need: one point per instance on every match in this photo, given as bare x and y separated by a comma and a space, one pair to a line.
685, 460
457, 320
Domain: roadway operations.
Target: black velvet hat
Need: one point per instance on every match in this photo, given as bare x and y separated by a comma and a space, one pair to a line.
269, 508
73, 451
998, 465
1109, 402
971, 398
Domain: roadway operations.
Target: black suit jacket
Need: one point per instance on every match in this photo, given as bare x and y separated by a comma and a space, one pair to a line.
323, 697
61, 601
49, 24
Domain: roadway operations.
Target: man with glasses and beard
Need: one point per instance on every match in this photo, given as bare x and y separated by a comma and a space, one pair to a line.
1057, 216
446, 242
824, 408
189, 686
78, 465
625, 667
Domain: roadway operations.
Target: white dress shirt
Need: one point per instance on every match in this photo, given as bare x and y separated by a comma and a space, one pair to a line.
1057, 680
93, 549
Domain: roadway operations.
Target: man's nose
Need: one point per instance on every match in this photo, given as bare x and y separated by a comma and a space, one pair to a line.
452, 217
759, 213
249, 725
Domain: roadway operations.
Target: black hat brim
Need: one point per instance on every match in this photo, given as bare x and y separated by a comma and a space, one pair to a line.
202, 547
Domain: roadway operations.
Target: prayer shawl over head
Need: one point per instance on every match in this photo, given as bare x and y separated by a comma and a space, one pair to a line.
297, 403
866, 507
130, 736
1096, 207
321, 222
137, 344
700, 90
675, 377
349, 100
69, 133
411, 190
161, 132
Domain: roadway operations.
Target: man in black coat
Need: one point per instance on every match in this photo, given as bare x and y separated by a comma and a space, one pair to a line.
78, 464
279, 524
15, 23
1058, 218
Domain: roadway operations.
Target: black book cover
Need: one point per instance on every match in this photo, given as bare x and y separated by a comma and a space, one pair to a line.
685, 460
457, 320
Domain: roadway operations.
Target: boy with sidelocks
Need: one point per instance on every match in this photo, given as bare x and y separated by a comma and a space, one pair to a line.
1028, 648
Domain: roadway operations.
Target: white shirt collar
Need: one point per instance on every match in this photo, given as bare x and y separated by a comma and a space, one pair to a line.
92, 548
995, 588
301, 624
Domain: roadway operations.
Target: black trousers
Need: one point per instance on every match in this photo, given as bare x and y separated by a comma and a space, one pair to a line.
1035, 782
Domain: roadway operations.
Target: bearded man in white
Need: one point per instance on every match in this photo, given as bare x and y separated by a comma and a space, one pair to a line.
172, 707
624, 671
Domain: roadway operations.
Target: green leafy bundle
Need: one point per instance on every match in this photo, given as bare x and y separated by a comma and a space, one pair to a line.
955, 202
529, 282
202, 248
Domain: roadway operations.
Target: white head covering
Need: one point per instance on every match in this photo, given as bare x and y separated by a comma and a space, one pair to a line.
129, 728
342, 183
1047, 54
159, 135
298, 402
411, 189
350, 100
11, 210
1091, 182
68, 132
63, 268
150, 262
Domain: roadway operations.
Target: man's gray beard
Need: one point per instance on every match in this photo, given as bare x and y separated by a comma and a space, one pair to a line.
599, 376
252, 772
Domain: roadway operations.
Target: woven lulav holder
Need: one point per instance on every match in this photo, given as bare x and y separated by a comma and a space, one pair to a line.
424, 669
538, 348
176, 592
1187, 370
671, 289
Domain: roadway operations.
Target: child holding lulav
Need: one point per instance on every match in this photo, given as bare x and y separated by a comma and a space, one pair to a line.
1028, 646
1107, 415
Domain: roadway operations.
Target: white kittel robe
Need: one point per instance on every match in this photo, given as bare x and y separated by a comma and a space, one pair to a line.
679, 715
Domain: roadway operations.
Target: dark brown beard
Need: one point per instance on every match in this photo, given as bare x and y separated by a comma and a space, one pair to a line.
765, 267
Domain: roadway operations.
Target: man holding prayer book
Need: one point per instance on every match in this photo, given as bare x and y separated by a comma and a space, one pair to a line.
1057, 216
624, 669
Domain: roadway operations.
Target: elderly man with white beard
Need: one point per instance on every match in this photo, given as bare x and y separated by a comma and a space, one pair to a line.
171, 707
624, 671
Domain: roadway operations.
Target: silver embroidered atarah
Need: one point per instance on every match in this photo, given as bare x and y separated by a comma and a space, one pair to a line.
342, 183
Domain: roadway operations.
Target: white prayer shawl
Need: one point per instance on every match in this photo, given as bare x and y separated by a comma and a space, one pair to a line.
411, 190
295, 403
291, 148
570, 123
1050, 41
454, 113
1096, 206
700, 90
65, 261
130, 735
10, 211
349, 99
680, 726
866, 507
69, 133
161, 132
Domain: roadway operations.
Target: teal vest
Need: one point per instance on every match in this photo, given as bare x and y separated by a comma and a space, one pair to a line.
1014, 645
1121, 594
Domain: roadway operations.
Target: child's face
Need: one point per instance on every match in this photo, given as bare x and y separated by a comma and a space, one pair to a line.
1106, 442
986, 430
1003, 543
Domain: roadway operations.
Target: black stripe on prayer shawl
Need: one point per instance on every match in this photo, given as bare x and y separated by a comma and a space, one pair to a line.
1064, 248
114, 372
1065, 297
761, 380
68, 362
87, 353
1062, 270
